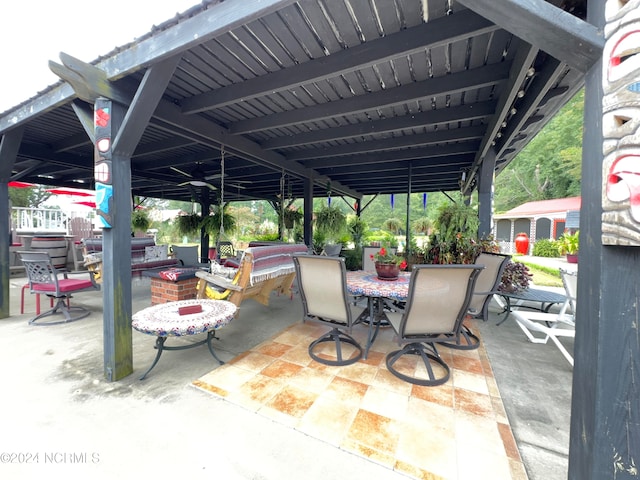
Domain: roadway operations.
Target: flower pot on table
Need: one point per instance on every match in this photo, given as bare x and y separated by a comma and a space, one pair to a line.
387, 271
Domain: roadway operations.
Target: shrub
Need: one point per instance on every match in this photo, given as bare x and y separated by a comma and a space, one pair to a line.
515, 277
545, 248
352, 258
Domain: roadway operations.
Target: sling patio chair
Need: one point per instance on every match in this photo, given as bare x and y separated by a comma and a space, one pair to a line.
437, 304
553, 326
322, 282
485, 288
45, 279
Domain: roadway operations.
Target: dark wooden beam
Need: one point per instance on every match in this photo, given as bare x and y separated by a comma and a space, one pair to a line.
552, 30
148, 94
462, 113
452, 135
396, 155
164, 145
448, 84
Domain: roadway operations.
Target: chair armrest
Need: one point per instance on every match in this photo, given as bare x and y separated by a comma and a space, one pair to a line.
490, 292
218, 281
92, 276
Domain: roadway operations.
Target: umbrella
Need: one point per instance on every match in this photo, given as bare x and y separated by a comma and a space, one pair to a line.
64, 191
21, 184
86, 204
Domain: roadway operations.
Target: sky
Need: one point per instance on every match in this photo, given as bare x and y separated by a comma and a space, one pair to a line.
32, 32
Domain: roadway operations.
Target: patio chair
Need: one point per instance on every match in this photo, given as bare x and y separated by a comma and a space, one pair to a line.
322, 282
187, 255
485, 288
438, 301
553, 325
80, 228
44, 279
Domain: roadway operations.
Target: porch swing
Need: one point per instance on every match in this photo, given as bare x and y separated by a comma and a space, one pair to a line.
224, 250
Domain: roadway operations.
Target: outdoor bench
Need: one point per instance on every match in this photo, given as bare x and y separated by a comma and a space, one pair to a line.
144, 254
262, 270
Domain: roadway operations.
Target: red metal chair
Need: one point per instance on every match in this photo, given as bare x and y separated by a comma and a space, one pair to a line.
44, 280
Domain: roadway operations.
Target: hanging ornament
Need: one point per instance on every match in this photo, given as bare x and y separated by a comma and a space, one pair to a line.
392, 201
355, 206
329, 193
424, 201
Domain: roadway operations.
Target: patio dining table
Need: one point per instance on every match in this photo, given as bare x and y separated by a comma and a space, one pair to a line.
380, 293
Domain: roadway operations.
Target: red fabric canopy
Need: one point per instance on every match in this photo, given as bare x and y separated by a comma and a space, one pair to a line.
86, 204
63, 191
21, 184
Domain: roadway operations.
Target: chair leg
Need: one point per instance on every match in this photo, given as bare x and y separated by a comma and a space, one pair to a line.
24, 287
467, 340
338, 338
428, 354
62, 306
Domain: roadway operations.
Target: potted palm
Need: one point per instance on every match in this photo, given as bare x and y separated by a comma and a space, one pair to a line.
568, 245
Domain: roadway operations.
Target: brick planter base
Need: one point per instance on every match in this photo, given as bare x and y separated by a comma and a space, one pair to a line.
163, 291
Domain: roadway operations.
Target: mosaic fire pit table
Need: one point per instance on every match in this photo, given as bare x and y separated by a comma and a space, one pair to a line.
181, 318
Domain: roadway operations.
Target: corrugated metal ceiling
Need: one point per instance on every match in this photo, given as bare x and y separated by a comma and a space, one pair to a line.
371, 96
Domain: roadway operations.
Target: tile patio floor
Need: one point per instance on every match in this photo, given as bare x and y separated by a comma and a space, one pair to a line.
455, 431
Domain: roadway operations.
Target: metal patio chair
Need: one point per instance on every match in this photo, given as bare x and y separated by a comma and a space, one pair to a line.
322, 282
486, 287
45, 279
437, 304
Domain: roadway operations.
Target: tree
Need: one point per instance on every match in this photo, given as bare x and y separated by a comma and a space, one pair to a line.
550, 165
29, 197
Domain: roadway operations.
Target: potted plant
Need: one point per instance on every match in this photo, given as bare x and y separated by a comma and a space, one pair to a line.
140, 220
292, 216
331, 221
515, 277
393, 225
422, 225
388, 265
189, 224
568, 245
211, 223
357, 229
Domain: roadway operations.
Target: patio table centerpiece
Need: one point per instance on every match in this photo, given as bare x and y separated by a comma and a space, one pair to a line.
387, 264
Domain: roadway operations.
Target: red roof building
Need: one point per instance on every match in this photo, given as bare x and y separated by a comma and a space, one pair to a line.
540, 219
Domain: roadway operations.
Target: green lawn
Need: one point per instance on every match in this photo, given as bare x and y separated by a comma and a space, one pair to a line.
543, 276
